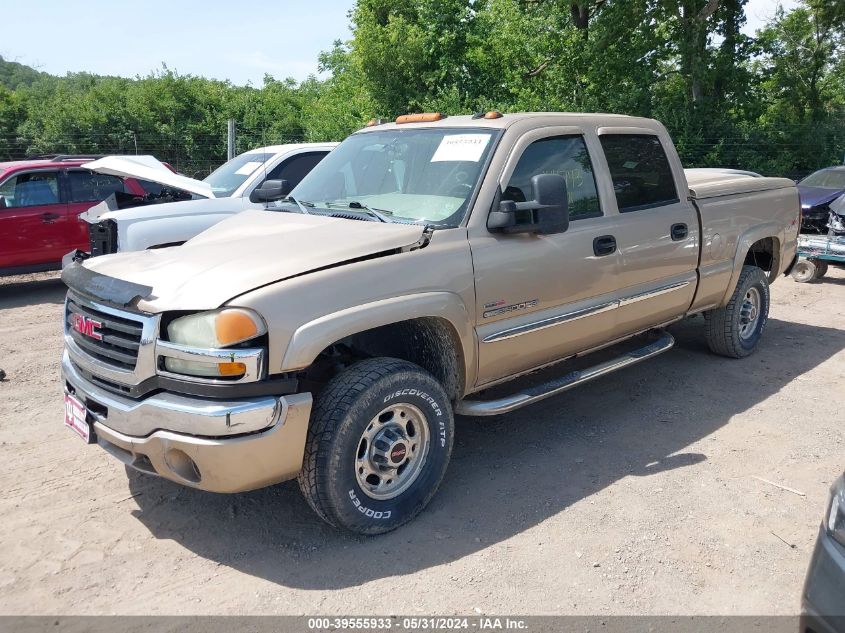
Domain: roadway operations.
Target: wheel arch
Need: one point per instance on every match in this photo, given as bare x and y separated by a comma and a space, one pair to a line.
760, 247
432, 330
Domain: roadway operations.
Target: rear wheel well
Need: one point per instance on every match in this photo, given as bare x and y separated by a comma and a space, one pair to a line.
429, 342
764, 254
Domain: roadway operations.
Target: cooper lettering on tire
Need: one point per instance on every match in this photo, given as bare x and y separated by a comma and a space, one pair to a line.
378, 445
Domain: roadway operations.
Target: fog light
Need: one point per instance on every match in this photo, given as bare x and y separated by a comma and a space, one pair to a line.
205, 370
179, 462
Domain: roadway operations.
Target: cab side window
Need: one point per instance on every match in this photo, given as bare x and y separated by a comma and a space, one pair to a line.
31, 189
566, 156
642, 178
86, 186
296, 168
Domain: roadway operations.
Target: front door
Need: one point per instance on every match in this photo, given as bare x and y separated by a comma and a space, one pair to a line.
544, 297
33, 220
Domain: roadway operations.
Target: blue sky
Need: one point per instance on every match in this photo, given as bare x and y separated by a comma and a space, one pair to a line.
223, 39
232, 40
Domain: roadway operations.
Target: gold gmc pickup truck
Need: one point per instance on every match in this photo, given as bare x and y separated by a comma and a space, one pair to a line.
422, 269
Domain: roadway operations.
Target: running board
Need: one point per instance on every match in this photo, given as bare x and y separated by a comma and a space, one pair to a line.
563, 383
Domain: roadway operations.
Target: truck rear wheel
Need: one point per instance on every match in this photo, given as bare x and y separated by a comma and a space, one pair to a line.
735, 329
378, 446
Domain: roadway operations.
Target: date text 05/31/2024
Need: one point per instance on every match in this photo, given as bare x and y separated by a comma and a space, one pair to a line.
417, 623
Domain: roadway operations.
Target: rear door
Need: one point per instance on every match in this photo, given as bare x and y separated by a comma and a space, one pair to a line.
656, 232
33, 223
83, 189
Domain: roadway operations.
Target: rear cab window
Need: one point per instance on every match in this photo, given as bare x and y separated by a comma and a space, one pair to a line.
640, 171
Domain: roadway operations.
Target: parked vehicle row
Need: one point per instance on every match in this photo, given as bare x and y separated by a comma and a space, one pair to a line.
40, 202
333, 336
55, 205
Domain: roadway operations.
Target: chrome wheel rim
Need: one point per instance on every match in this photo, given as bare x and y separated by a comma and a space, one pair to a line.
392, 451
749, 313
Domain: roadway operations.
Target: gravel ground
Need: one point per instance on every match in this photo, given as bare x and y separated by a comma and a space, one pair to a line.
636, 494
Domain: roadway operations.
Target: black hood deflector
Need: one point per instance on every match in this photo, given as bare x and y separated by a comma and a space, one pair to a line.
102, 287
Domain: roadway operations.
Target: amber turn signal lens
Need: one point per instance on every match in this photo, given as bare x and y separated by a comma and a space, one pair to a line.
232, 326
231, 369
422, 117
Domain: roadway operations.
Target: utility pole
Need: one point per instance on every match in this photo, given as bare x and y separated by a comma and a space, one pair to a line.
230, 149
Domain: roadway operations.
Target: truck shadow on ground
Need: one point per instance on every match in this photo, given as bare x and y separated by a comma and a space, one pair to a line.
507, 474
29, 293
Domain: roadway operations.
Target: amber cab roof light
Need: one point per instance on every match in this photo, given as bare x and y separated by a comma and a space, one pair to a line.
373, 122
492, 114
422, 117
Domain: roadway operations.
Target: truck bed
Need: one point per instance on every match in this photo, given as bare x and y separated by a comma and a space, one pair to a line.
713, 184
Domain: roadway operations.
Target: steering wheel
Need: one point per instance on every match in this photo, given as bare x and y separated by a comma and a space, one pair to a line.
460, 190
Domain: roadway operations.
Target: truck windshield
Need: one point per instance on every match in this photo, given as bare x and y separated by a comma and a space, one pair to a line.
417, 175
229, 176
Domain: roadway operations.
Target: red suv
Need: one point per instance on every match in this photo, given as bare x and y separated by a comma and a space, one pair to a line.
40, 201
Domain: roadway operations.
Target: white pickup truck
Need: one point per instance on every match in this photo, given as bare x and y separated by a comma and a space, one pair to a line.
228, 190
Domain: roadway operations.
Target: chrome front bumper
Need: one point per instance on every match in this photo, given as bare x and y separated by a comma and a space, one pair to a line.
220, 446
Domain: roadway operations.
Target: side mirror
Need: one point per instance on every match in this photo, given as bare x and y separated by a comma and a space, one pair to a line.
270, 191
547, 213
2, 202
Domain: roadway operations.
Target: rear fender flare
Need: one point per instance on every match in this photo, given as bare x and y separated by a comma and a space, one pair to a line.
743, 245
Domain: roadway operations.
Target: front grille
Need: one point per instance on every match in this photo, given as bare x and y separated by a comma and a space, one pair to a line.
120, 338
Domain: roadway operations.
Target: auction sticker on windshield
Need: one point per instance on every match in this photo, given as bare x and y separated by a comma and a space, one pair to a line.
248, 168
461, 147
75, 418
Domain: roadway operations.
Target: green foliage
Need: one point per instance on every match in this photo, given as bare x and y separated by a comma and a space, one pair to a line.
14, 75
774, 103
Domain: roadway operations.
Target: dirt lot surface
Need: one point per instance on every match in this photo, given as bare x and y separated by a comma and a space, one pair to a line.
636, 494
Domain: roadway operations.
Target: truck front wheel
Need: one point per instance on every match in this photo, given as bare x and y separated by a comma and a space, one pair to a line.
735, 329
378, 445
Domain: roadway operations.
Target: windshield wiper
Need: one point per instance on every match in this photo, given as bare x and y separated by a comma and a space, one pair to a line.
377, 213
382, 215
301, 205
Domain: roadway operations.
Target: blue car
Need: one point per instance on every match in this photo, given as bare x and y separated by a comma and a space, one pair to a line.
817, 191
823, 600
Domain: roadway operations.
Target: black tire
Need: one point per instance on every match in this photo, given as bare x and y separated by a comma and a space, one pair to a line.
350, 406
804, 271
729, 330
821, 268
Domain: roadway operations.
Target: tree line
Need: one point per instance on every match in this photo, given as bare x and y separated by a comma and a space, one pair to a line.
773, 102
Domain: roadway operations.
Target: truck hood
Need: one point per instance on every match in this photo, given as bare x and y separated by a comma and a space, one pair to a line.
249, 250
180, 208
814, 196
148, 168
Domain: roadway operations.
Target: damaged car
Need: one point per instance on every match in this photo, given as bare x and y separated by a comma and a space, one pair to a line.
817, 191
239, 184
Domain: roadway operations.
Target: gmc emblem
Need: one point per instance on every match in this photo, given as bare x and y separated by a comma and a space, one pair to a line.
87, 327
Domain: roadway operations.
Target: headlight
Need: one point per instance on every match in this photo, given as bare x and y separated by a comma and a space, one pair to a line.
835, 522
213, 330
